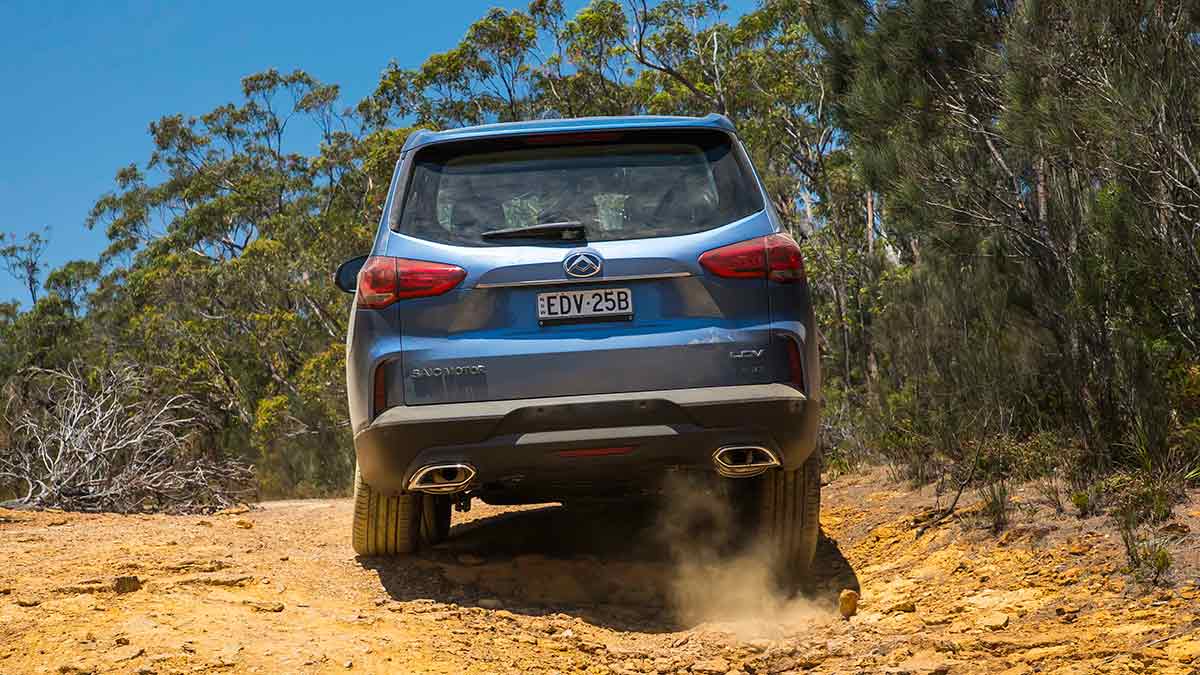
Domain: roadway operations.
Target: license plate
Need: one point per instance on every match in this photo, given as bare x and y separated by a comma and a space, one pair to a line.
616, 303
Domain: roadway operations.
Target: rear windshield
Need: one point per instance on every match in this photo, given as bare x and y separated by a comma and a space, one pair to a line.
617, 185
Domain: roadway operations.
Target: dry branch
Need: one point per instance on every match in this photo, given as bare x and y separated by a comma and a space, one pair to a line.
100, 440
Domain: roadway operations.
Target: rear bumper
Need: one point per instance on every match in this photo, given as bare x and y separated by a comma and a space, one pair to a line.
517, 446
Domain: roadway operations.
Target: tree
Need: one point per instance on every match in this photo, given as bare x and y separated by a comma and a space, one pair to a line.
23, 259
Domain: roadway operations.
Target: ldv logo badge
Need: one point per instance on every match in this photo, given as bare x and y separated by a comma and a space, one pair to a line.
582, 264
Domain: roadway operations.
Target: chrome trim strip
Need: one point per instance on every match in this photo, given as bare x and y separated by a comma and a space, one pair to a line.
588, 280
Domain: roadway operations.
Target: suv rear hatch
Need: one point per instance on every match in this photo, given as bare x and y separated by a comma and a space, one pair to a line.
630, 214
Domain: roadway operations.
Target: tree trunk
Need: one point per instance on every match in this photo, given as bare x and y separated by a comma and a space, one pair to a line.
870, 221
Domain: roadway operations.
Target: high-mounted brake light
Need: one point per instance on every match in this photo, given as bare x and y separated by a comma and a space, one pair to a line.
570, 138
776, 257
384, 280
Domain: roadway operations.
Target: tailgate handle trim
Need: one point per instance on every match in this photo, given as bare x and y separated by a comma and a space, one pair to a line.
585, 280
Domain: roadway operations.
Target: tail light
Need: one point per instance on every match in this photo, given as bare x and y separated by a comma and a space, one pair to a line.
384, 280
776, 257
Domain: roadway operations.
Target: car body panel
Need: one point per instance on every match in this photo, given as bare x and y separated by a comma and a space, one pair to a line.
681, 334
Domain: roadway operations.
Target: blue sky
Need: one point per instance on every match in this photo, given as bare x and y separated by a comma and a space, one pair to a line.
83, 80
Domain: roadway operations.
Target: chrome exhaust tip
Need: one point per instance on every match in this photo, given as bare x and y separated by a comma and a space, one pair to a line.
442, 479
744, 461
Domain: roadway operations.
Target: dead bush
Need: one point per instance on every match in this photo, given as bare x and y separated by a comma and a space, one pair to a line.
101, 440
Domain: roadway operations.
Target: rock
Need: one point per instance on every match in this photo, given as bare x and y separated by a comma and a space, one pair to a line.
243, 523
937, 619
905, 606
993, 621
1184, 650
5, 590
57, 522
782, 664
264, 606
121, 641
848, 603
27, 602
126, 584
1069, 577
203, 523
1175, 528
213, 580
926, 662
348, 665
716, 666
490, 603
810, 660
1079, 548
1067, 613
125, 654
469, 559
1042, 653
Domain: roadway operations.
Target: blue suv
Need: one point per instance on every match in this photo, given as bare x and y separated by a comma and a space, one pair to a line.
571, 308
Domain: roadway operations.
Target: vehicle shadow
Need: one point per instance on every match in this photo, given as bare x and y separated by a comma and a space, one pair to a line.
626, 567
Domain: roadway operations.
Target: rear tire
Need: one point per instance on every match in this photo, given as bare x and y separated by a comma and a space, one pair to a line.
789, 514
394, 525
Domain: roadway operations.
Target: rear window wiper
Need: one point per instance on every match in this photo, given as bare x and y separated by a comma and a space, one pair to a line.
567, 230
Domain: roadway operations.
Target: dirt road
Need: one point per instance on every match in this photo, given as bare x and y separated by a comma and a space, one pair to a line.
594, 589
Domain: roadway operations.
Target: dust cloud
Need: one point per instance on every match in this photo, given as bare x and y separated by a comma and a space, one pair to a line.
720, 575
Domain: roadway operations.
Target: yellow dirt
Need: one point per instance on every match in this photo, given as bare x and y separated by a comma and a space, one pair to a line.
277, 589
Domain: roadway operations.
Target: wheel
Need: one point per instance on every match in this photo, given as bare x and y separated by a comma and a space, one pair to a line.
789, 513
393, 525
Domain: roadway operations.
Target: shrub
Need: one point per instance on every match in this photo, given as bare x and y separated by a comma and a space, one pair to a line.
997, 504
102, 440
1149, 559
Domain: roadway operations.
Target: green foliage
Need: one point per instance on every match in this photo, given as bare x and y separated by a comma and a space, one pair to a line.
1149, 558
1084, 502
23, 259
997, 504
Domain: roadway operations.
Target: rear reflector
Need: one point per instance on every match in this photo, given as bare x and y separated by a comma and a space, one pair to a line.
795, 364
384, 280
776, 257
595, 452
379, 394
